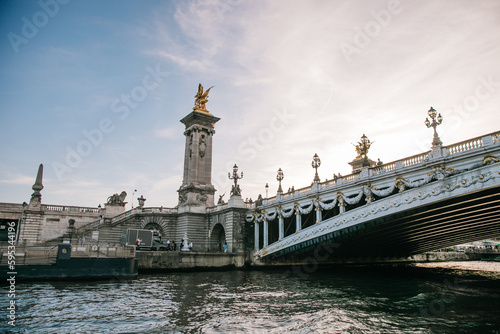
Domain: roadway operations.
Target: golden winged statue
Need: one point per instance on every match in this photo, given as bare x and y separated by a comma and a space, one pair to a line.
363, 146
201, 98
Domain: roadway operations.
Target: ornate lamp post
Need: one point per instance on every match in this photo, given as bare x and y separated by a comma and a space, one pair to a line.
280, 177
267, 190
133, 198
235, 190
435, 122
316, 162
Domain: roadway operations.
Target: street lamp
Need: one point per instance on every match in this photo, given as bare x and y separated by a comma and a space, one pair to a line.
235, 190
280, 177
133, 198
267, 190
435, 122
18, 231
316, 162
98, 221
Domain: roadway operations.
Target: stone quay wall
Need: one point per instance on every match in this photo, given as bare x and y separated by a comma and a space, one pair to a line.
178, 261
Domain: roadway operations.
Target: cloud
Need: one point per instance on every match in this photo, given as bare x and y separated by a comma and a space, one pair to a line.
385, 91
18, 179
169, 132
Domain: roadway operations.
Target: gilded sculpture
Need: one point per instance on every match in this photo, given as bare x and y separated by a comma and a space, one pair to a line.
363, 147
201, 98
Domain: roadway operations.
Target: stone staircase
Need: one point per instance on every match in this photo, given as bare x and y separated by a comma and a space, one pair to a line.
31, 229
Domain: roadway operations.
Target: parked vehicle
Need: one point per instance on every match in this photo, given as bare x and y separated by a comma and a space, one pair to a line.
148, 239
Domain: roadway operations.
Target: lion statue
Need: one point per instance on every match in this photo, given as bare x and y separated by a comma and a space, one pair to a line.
117, 199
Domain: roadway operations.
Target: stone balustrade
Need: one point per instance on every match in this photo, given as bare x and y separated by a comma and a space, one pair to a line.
61, 208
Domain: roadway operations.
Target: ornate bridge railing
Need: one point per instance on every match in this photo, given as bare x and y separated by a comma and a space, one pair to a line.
315, 207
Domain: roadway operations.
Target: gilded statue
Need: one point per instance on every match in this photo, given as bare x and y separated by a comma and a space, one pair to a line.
201, 98
363, 147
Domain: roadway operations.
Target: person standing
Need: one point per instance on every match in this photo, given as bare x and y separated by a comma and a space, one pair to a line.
225, 246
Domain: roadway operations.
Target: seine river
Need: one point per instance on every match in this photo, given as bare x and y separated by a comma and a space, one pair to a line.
339, 300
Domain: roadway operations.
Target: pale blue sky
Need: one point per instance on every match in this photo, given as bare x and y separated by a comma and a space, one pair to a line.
292, 78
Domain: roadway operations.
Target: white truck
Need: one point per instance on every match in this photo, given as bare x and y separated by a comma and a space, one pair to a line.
149, 241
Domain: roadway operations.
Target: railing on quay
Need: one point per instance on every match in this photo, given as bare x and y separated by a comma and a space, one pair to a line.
104, 251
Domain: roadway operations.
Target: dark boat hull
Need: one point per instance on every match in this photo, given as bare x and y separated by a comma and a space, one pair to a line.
78, 269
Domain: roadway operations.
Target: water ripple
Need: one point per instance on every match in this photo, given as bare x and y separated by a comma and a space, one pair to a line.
343, 301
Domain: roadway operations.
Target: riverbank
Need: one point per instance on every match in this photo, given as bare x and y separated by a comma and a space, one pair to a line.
486, 266
155, 261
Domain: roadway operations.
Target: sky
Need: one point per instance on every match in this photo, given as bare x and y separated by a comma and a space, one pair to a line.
94, 90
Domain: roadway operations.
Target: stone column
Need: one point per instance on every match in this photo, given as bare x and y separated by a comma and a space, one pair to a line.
256, 236
266, 232
298, 221
281, 223
341, 207
319, 217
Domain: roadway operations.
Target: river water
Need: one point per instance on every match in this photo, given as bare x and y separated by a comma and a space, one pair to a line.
383, 299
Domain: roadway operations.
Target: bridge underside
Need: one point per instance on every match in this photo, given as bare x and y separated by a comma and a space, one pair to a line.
462, 219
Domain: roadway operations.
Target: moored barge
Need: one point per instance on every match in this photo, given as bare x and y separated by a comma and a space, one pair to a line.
69, 262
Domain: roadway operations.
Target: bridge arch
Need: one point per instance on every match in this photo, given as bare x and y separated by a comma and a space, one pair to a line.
156, 224
217, 238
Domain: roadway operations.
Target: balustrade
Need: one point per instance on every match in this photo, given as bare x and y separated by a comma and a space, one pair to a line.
416, 159
384, 168
465, 146
351, 177
495, 137
61, 208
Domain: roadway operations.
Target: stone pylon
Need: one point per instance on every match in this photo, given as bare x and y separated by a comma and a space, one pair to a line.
36, 197
197, 191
